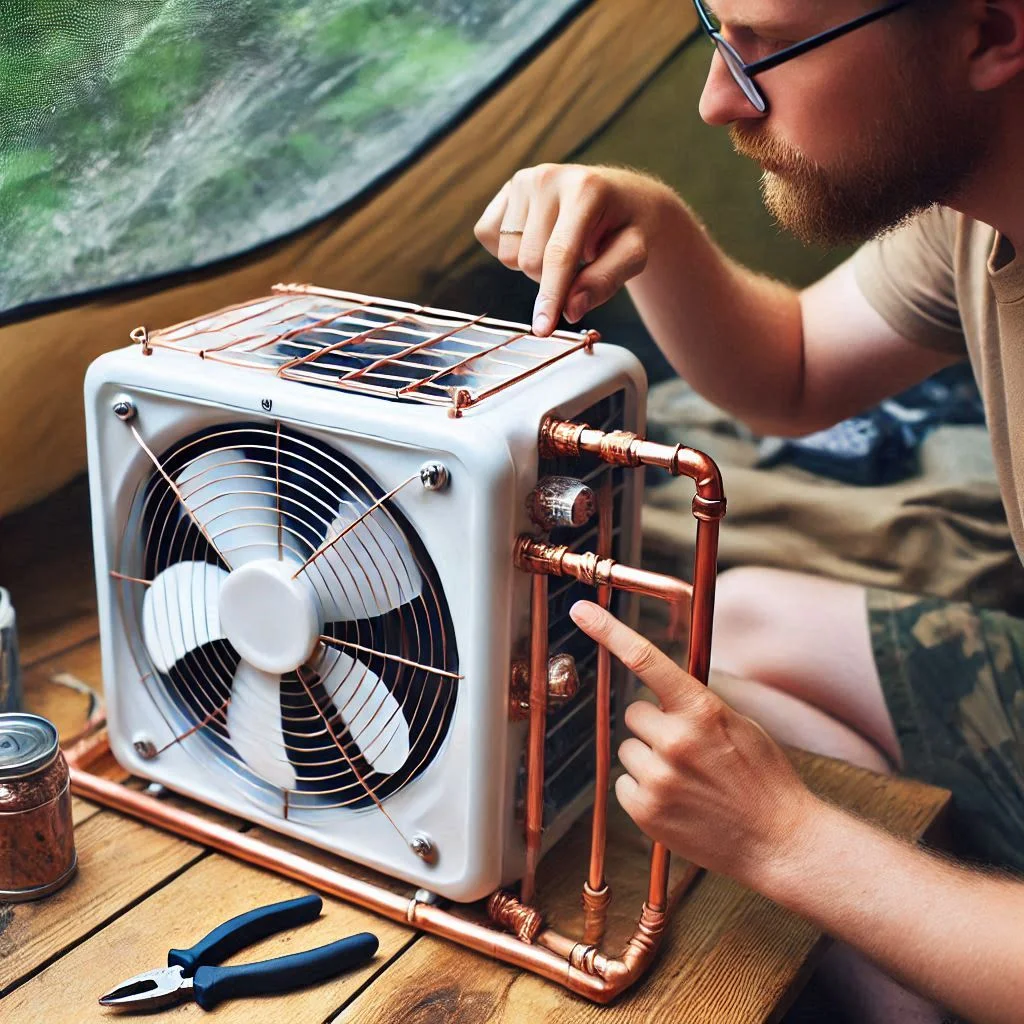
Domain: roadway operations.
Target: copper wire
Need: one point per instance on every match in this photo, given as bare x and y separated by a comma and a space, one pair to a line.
334, 641
355, 522
177, 492
352, 767
251, 340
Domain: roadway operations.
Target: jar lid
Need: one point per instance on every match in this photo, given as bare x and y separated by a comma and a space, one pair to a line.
27, 743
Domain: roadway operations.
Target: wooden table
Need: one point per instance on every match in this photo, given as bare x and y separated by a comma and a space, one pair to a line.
731, 957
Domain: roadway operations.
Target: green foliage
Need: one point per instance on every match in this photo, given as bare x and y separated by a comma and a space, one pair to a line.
134, 125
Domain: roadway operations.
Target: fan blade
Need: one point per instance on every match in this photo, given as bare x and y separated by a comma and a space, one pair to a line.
254, 725
180, 611
371, 713
367, 572
233, 497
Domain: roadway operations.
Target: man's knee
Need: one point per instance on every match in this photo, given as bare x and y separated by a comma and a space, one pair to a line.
746, 613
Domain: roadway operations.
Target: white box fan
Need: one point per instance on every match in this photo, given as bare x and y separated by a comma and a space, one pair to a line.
305, 512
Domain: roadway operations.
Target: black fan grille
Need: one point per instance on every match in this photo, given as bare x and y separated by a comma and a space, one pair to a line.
298, 484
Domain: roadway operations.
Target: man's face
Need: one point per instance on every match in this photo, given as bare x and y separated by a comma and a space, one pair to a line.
861, 133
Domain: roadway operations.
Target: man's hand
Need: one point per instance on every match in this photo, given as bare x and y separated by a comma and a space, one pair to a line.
551, 220
705, 781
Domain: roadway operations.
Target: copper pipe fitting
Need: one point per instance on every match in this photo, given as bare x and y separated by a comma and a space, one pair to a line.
504, 909
595, 913
563, 685
540, 557
559, 438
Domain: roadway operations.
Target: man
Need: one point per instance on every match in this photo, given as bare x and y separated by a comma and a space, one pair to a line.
906, 116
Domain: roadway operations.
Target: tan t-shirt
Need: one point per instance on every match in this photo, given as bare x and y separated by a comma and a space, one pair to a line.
951, 283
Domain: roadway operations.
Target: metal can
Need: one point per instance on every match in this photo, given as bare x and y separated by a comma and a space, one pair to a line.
10, 674
37, 839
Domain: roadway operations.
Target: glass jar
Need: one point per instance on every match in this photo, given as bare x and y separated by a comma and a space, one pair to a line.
37, 839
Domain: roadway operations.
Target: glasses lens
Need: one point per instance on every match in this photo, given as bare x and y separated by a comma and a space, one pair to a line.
735, 65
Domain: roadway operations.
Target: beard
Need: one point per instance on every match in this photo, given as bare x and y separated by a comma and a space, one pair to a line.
921, 152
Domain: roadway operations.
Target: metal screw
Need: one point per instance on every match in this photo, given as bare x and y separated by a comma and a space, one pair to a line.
434, 476
124, 408
422, 845
145, 748
156, 790
428, 897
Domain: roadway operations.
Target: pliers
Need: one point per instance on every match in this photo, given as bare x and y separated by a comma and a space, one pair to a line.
190, 972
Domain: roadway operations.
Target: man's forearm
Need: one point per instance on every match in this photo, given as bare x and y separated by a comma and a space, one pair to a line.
954, 935
736, 337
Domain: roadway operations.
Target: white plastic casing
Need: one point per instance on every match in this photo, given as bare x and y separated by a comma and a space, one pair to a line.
465, 800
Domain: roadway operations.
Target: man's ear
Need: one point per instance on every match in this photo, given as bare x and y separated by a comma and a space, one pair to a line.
998, 56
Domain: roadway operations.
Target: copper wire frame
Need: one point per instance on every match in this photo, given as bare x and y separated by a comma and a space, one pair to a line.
518, 935
433, 356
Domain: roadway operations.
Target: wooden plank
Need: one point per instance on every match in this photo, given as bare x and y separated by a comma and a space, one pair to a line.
47, 695
119, 861
179, 914
730, 956
82, 810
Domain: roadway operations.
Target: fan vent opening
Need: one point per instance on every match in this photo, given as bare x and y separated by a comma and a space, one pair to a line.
290, 627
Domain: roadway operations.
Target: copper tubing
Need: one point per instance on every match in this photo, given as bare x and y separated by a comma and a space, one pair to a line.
557, 560
621, 448
546, 559
596, 893
537, 730
560, 438
586, 972
699, 660
702, 609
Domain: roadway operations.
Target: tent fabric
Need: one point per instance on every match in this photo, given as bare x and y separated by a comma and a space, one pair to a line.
143, 137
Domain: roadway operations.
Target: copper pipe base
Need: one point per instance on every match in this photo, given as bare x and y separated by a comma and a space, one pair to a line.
578, 966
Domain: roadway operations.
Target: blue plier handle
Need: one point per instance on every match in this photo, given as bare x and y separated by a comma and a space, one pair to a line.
191, 973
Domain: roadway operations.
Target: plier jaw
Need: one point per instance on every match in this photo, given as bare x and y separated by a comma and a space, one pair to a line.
151, 990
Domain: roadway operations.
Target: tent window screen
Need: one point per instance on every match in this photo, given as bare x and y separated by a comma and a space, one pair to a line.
143, 137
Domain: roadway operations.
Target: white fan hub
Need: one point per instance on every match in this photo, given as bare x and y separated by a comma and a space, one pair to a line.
270, 616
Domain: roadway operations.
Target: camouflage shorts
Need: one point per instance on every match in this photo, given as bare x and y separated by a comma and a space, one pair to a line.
953, 678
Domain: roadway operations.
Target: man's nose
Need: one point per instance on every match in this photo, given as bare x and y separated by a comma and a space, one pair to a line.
723, 101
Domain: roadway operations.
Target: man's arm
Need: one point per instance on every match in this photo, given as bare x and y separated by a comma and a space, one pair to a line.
954, 935
784, 362
714, 787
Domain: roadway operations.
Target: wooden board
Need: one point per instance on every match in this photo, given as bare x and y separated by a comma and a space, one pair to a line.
730, 956
119, 862
179, 914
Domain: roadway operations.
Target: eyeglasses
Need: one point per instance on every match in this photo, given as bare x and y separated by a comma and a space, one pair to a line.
745, 73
